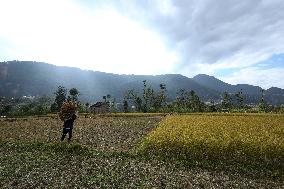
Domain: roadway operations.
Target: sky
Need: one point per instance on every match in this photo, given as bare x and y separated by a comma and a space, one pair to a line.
235, 41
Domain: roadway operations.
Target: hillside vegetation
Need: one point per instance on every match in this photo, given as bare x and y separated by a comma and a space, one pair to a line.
24, 78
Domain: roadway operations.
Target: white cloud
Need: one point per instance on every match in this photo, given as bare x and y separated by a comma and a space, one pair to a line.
230, 32
63, 33
265, 78
213, 35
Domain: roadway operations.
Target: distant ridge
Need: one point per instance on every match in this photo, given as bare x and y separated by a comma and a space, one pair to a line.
23, 78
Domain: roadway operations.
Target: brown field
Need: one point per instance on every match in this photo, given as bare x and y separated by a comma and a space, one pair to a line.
100, 132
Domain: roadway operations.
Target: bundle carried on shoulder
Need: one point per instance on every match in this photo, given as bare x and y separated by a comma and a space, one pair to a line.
67, 110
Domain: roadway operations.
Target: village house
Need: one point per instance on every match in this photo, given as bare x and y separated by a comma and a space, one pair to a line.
100, 107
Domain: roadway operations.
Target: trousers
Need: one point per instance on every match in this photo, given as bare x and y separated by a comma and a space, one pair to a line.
64, 133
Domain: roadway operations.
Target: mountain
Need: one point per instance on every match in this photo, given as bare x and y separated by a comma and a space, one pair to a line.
276, 95
24, 78
251, 93
19, 78
214, 83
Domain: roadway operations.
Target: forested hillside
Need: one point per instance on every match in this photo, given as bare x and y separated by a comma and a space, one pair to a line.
19, 78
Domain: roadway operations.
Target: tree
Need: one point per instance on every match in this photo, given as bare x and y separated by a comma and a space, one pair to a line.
161, 97
150, 101
261, 104
113, 105
108, 96
5, 109
39, 110
153, 101
60, 97
212, 106
226, 101
5, 106
146, 96
104, 97
125, 106
53, 107
192, 102
240, 99
179, 104
74, 93
87, 106
187, 101
136, 100
197, 107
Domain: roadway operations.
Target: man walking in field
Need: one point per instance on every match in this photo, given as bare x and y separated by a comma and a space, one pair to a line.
67, 127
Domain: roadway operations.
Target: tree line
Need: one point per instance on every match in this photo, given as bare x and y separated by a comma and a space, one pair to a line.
150, 100
147, 100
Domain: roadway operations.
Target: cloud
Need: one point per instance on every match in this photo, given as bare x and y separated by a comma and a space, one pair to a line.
228, 33
214, 35
201, 36
96, 38
265, 78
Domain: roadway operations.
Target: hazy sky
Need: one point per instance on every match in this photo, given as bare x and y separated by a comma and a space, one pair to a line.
238, 41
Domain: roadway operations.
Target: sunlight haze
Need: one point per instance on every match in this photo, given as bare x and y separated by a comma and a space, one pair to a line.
65, 35
230, 40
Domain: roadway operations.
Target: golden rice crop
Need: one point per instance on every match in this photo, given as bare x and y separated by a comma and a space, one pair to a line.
219, 137
132, 114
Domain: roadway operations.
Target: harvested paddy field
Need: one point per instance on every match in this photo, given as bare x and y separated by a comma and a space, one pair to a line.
106, 153
108, 133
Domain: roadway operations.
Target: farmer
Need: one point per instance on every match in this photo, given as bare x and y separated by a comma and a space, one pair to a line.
67, 127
